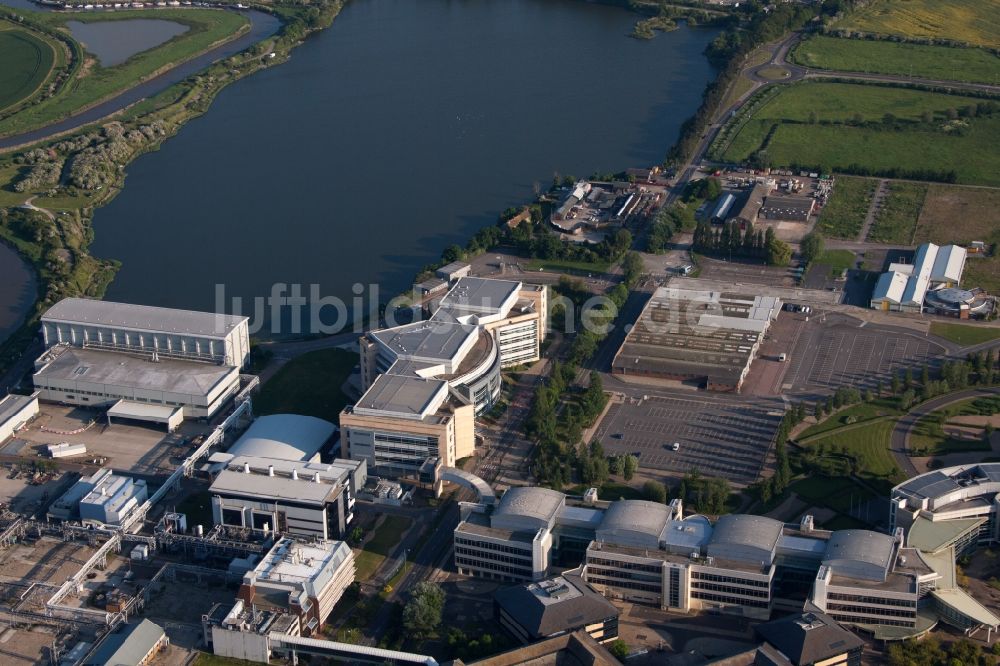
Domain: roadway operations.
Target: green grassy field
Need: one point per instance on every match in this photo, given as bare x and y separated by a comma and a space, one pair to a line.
837, 260
837, 493
95, 83
896, 222
972, 21
310, 385
387, 537
954, 214
964, 334
867, 447
27, 61
929, 438
844, 214
919, 60
861, 412
783, 127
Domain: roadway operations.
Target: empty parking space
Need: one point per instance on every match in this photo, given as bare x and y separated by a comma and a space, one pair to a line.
827, 357
727, 439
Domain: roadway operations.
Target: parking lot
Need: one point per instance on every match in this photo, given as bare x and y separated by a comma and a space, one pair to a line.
726, 438
841, 351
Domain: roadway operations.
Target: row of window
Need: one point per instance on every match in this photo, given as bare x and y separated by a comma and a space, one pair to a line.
878, 601
857, 619
493, 566
600, 571
729, 589
716, 578
627, 585
721, 598
489, 545
618, 564
881, 612
495, 557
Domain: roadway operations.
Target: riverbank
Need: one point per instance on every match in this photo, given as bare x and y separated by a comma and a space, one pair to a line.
89, 169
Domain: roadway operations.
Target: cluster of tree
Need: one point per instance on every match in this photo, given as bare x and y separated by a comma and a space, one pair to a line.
704, 494
465, 647
654, 491
422, 613
618, 649
96, 166
535, 240
811, 246
668, 221
705, 189
624, 465
729, 240
727, 52
844, 396
592, 325
930, 651
40, 176
775, 485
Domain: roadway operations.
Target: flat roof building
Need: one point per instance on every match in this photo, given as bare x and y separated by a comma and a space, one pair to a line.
85, 376
453, 271
425, 382
690, 335
307, 499
170, 333
104, 498
305, 579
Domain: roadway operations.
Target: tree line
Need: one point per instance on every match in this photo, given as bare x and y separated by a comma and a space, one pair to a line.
729, 240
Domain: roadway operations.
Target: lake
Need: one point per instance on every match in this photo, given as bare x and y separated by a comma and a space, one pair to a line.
114, 42
18, 291
404, 127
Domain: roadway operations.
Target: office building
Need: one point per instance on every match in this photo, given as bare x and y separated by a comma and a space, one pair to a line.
743, 565
424, 383
141, 329
809, 639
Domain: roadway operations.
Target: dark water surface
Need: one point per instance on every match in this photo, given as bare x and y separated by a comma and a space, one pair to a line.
18, 291
114, 42
402, 128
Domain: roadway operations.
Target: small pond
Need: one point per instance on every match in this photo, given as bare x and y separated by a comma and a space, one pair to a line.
114, 42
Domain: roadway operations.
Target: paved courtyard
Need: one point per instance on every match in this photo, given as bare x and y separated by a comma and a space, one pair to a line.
727, 438
840, 352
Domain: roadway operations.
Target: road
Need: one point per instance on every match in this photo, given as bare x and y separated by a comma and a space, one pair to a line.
900, 440
262, 26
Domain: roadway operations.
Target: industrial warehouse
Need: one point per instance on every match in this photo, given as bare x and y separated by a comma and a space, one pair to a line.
929, 284
705, 337
425, 383
745, 565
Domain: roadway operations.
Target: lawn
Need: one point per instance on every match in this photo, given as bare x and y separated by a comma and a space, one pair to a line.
861, 412
929, 438
837, 493
742, 85
310, 385
206, 29
964, 334
27, 61
387, 537
880, 57
838, 260
867, 447
954, 214
842, 146
972, 21
844, 214
896, 221
844, 126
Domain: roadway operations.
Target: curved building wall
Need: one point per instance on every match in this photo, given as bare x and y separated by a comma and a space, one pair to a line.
481, 386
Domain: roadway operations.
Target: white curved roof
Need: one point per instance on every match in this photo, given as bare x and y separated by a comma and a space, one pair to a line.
528, 503
285, 437
859, 553
638, 517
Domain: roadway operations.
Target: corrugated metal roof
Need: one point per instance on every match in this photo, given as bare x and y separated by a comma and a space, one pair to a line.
890, 287
129, 646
